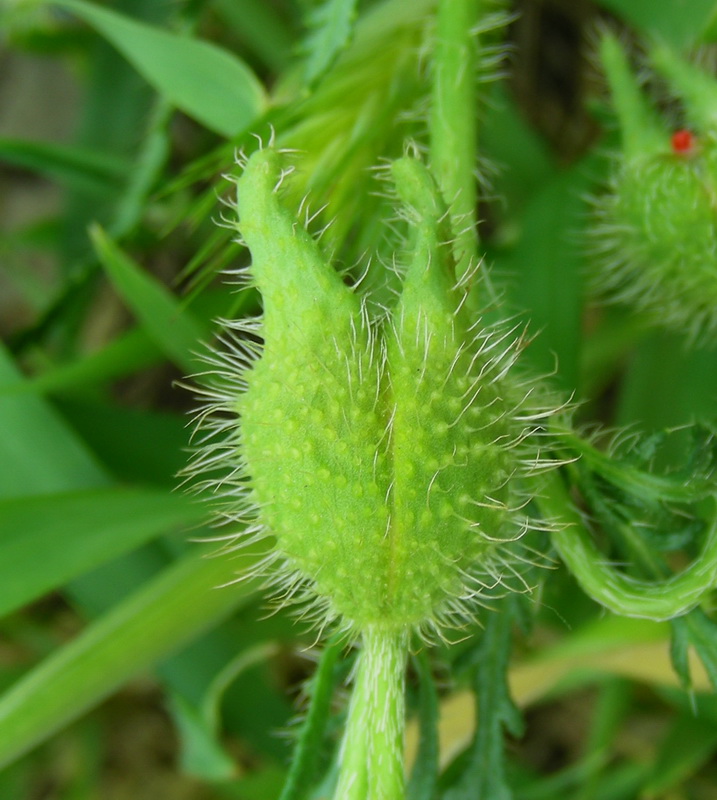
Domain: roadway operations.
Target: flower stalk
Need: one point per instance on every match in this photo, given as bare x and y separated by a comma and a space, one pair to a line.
371, 761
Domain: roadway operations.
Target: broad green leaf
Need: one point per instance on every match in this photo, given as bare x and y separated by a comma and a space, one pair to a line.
159, 618
667, 386
545, 271
46, 541
676, 23
140, 447
331, 26
173, 329
72, 166
208, 83
38, 451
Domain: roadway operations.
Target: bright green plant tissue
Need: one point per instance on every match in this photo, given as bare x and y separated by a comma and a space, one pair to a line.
382, 449
655, 232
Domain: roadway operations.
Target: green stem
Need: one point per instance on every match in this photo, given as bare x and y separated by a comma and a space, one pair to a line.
371, 765
453, 124
621, 593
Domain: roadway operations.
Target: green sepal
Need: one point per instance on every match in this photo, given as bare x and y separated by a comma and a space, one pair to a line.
378, 450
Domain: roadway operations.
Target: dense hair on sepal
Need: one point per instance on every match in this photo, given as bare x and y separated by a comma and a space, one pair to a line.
387, 457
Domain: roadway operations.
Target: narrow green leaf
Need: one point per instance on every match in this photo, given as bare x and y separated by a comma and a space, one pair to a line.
484, 775
308, 746
38, 451
46, 541
331, 27
159, 618
526, 163
201, 750
702, 632
424, 777
679, 649
72, 166
611, 707
130, 351
173, 330
641, 129
216, 690
208, 83
148, 167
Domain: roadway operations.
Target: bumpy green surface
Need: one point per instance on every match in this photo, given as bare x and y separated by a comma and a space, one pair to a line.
657, 229
667, 205
378, 453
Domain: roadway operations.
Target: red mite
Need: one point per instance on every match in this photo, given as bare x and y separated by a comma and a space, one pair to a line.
683, 142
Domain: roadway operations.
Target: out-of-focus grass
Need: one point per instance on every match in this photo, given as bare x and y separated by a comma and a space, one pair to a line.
100, 584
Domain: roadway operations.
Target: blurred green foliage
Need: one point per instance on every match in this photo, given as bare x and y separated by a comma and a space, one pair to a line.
111, 295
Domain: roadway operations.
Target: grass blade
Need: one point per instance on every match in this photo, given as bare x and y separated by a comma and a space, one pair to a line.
172, 328
155, 621
424, 777
484, 775
46, 541
308, 746
72, 166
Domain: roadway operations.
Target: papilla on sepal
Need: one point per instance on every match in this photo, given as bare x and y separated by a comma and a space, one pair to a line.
654, 234
384, 453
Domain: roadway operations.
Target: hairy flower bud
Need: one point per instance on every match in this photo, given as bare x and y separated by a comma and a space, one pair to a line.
383, 452
655, 229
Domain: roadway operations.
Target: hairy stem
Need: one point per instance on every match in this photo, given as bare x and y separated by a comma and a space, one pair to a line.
372, 751
621, 593
453, 125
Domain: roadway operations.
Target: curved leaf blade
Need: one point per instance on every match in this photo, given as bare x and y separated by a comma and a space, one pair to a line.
209, 84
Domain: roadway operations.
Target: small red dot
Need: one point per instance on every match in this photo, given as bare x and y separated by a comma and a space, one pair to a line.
683, 142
